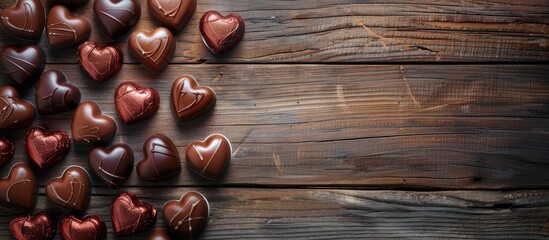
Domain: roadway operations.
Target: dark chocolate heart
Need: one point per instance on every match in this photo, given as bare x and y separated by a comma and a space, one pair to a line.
189, 100
20, 188
23, 64
40, 226
130, 215
91, 227
116, 17
72, 190
54, 94
100, 61
113, 165
221, 33
65, 30
71, 3
90, 125
6, 151
153, 49
14, 113
159, 234
187, 216
45, 148
135, 103
161, 159
209, 158
174, 14
25, 20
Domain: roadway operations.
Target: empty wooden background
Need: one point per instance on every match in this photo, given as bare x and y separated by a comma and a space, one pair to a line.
348, 119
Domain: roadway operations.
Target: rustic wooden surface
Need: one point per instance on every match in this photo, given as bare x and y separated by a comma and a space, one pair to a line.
446, 135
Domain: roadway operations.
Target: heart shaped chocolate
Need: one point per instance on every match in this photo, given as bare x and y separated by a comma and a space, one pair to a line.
72, 190
209, 158
113, 165
20, 188
23, 64
44, 148
189, 100
161, 159
100, 61
91, 227
135, 103
116, 17
153, 49
130, 215
174, 14
90, 125
54, 94
71, 3
159, 234
14, 113
25, 20
6, 151
39, 226
188, 215
65, 30
221, 33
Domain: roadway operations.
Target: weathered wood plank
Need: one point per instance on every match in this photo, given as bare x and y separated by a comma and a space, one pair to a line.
345, 214
359, 31
411, 126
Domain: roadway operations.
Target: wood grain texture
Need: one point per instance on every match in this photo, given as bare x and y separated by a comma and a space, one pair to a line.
357, 31
345, 214
375, 126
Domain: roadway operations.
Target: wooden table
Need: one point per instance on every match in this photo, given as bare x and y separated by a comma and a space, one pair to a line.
348, 119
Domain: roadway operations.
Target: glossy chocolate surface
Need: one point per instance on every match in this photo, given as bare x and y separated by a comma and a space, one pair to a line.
113, 165
14, 113
209, 158
187, 216
134, 103
161, 159
90, 227
100, 62
189, 100
26, 227
130, 215
25, 20
20, 188
90, 125
116, 17
72, 190
159, 234
65, 30
54, 94
46, 148
23, 64
221, 33
6, 151
153, 49
69, 2
174, 14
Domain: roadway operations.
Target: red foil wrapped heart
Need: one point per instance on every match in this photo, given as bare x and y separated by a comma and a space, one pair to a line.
40, 226
100, 61
130, 215
46, 148
220, 33
6, 151
134, 103
91, 227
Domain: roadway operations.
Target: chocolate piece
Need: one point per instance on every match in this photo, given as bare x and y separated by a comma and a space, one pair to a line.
135, 103
54, 94
65, 30
23, 64
161, 159
187, 216
90, 125
91, 227
113, 165
71, 3
209, 158
153, 49
189, 100
25, 20
116, 17
221, 33
28, 227
174, 14
20, 188
159, 234
14, 113
130, 215
72, 190
6, 151
44, 148
100, 61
